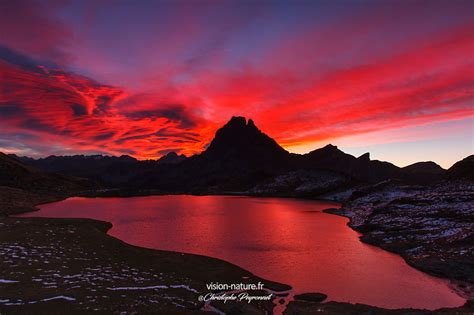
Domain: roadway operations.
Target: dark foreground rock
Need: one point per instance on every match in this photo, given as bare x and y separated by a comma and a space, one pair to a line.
22, 187
431, 227
15, 200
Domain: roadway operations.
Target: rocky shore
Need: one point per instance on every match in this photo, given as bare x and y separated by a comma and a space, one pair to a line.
315, 303
431, 227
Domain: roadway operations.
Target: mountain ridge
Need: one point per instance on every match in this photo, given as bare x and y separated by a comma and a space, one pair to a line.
239, 157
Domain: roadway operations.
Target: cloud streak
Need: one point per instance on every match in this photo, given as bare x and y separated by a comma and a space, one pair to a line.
170, 76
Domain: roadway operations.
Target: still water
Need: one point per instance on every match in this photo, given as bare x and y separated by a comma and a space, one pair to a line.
285, 240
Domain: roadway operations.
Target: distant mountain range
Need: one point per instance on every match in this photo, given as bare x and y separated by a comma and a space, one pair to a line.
241, 158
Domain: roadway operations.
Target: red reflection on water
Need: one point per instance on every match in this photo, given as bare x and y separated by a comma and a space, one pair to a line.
285, 240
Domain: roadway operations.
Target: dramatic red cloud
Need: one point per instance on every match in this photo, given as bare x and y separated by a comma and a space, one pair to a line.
431, 83
426, 84
73, 113
314, 83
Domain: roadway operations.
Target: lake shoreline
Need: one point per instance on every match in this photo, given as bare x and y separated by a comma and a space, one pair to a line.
458, 286
103, 237
440, 253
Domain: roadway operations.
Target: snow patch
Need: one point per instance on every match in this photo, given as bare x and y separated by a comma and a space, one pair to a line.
59, 297
152, 287
7, 281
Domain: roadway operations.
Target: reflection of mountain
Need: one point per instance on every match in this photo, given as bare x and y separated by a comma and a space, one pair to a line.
241, 158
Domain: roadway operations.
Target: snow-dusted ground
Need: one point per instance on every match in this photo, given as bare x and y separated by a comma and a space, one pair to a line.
43, 263
70, 265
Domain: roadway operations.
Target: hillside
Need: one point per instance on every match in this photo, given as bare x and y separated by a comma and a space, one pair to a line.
463, 170
22, 186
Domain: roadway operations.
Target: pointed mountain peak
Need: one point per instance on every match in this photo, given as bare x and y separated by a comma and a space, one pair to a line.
364, 157
239, 122
240, 135
328, 149
250, 123
238, 125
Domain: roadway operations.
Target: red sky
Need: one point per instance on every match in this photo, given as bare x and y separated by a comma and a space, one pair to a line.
152, 77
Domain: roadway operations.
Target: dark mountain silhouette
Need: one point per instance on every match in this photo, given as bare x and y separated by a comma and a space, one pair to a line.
239, 139
463, 169
427, 167
171, 158
362, 168
423, 172
240, 150
108, 170
240, 158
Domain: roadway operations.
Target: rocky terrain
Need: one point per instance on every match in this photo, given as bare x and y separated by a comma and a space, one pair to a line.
432, 227
302, 183
15, 200
314, 303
